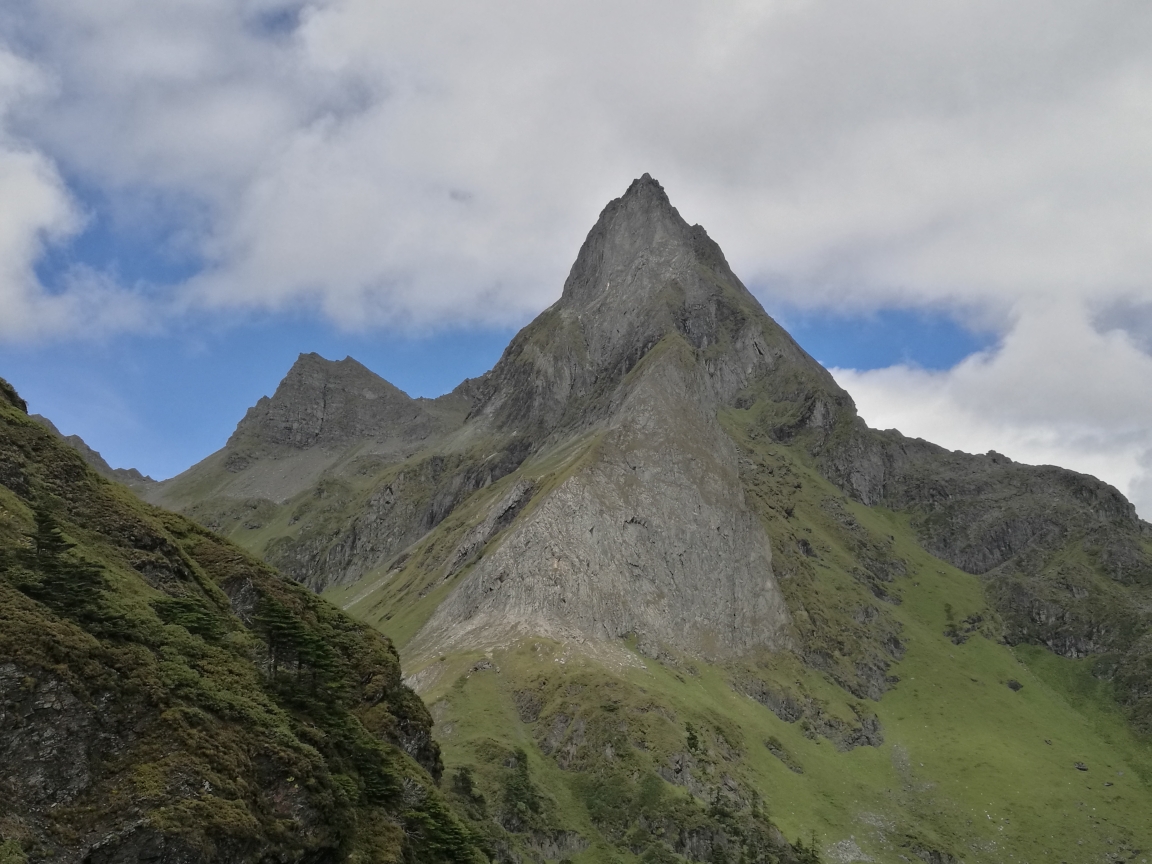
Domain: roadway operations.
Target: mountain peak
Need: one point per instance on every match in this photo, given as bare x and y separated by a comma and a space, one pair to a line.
646, 189
638, 248
643, 276
327, 402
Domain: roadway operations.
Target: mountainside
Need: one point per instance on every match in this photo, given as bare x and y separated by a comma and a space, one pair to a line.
654, 572
165, 697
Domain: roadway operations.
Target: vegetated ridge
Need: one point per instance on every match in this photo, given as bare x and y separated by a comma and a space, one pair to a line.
166, 697
655, 569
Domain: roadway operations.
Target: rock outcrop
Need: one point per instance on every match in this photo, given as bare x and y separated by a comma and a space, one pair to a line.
322, 403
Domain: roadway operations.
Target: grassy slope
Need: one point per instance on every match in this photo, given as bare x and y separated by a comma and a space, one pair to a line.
965, 767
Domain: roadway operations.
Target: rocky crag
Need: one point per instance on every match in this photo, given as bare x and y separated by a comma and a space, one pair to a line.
656, 488
325, 417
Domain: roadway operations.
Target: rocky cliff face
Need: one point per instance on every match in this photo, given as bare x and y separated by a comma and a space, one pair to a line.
979, 511
651, 535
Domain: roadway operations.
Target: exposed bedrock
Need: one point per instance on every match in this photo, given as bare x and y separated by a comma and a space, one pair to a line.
651, 537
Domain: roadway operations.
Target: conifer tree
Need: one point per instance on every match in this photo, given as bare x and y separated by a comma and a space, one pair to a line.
65, 584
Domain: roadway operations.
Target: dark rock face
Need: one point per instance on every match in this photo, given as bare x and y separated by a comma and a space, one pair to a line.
50, 737
1064, 554
395, 514
325, 403
978, 512
866, 732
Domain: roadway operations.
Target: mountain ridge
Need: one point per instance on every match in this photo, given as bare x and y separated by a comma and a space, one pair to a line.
655, 488
128, 476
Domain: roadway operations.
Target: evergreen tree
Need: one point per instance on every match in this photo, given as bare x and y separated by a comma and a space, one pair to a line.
293, 646
68, 586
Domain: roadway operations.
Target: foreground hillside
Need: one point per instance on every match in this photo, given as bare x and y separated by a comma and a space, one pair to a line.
660, 585
165, 697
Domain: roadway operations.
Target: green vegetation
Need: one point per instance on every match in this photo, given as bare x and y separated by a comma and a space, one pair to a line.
627, 758
200, 703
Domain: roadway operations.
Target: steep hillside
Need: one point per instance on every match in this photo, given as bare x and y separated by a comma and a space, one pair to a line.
164, 696
1065, 559
661, 581
901, 727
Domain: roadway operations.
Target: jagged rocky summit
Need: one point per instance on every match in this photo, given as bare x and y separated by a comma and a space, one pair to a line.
323, 404
642, 525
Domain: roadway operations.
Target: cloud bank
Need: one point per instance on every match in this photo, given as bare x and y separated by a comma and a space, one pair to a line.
1057, 391
393, 165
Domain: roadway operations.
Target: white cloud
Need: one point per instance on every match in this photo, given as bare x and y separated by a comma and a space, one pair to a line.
392, 163
405, 165
37, 211
1056, 392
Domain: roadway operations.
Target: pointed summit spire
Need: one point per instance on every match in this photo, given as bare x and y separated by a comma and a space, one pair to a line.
647, 191
640, 225
642, 276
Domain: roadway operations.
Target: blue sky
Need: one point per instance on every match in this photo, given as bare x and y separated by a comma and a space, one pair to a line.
162, 403
948, 203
